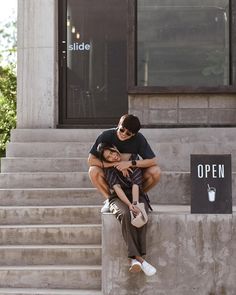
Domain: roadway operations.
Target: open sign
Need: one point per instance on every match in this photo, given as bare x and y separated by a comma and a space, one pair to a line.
211, 184
214, 170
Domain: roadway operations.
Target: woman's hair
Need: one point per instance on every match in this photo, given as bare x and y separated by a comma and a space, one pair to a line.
102, 147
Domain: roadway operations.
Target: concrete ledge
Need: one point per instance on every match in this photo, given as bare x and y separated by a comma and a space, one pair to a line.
194, 254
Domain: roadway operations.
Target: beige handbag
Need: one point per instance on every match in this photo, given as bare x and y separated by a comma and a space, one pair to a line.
141, 218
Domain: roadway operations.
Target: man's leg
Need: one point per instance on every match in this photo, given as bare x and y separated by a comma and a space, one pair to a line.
151, 177
97, 178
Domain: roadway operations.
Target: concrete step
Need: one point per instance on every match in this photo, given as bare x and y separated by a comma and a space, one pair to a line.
50, 215
65, 277
50, 234
49, 196
50, 255
45, 180
48, 149
171, 156
174, 187
43, 165
176, 156
54, 135
159, 135
24, 291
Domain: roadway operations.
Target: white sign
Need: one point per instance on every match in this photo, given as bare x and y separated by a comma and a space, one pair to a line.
79, 46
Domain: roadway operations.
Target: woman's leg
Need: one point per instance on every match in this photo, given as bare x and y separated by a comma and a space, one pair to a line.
134, 237
130, 233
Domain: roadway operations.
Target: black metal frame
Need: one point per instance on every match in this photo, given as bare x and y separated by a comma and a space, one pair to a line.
64, 121
132, 55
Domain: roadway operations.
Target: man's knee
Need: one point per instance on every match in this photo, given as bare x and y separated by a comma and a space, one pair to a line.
95, 172
153, 172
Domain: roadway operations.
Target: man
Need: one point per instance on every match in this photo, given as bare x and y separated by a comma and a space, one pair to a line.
127, 138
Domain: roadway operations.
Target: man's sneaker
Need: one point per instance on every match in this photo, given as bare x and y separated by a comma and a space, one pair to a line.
148, 269
105, 207
135, 266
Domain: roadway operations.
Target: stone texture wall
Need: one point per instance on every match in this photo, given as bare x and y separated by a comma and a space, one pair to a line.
37, 97
194, 254
184, 109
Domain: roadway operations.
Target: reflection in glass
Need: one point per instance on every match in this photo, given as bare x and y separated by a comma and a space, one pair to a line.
96, 58
183, 43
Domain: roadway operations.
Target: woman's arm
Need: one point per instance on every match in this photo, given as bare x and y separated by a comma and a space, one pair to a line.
135, 193
122, 196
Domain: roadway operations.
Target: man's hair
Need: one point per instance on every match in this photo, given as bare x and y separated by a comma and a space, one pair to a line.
102, 147
130, 122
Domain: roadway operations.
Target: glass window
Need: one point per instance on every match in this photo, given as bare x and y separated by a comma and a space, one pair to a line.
183, 43
96, 59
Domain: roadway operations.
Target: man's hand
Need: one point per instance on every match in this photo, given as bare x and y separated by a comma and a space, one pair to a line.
126, 172
123, 165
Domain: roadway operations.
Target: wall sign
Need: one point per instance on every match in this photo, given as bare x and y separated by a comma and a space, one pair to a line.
211, 184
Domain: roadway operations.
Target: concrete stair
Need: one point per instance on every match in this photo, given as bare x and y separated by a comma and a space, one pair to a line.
49, 196
50, 222
57, 158
50, 215
24, 291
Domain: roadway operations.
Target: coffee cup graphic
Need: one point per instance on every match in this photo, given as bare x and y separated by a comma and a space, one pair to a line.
211, 193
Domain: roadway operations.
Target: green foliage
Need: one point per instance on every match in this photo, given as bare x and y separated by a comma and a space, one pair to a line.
7, 105
7, 82
8, 43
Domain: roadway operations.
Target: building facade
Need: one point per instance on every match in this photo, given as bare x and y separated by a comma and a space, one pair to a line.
81, 64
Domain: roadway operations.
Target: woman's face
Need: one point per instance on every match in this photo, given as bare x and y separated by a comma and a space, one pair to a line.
112, 155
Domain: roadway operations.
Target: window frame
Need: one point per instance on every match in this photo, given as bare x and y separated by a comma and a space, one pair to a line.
133, 88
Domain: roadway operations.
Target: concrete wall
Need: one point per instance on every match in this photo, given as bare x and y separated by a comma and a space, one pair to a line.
37, 79
184, 109
194, 254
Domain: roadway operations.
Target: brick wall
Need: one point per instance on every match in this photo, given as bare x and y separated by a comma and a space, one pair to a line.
184, 109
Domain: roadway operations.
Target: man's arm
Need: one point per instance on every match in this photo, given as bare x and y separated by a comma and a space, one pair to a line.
124, 165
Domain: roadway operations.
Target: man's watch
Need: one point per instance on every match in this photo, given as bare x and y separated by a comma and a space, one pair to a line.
134, 163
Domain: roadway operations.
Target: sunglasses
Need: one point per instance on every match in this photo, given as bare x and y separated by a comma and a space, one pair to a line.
127, 132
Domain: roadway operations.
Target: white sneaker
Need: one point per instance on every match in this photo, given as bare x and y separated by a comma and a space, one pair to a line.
148, 269
105, 207
135, 266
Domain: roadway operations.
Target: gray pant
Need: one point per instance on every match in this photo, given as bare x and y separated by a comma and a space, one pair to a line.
134, 237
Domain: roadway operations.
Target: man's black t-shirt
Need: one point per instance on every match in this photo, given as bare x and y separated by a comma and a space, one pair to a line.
135, 145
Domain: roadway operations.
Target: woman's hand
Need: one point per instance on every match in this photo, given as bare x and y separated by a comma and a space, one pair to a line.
124, 165
134, 209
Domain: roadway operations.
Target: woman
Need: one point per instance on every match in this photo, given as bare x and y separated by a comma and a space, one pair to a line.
127, 192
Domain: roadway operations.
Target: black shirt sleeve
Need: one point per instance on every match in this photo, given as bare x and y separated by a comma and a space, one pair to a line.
105, 136
145, 150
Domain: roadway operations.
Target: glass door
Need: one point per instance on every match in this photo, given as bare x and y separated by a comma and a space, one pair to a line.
93, 66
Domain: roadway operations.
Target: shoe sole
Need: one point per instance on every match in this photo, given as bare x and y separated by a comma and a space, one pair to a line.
149, 274
135, 268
